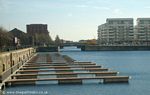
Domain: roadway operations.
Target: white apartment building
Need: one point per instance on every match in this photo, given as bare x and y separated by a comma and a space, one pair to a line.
142, 30
116, 31
102, 34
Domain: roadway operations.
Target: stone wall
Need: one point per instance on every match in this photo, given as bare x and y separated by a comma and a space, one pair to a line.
11, 61
47, 49
114, 48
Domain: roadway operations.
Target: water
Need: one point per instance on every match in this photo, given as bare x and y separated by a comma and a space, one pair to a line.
130, 63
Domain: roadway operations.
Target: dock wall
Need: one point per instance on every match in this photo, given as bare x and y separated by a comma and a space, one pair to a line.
114, 48
11, 61
47, 49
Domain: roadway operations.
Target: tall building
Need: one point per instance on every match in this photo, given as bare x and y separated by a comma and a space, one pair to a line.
142, 30
39, 33
116, 31
37, 28
103, 37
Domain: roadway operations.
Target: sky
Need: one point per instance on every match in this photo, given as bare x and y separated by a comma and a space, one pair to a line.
70, 19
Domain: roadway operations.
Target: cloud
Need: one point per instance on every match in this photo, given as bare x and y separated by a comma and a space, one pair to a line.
4, 4
148, 7
98, 1
82, 6
101, 8
93, 7
89, 2
117, 11
69, 14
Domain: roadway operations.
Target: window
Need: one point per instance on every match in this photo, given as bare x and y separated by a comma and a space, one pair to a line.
3, 67
141, 22
110, 22
13, 62
121, 22
130, 22
19, 59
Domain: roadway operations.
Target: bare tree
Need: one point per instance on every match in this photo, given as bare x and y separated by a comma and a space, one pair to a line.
57, 41
6, 39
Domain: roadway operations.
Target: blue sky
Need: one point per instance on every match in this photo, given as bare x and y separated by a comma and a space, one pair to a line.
70, 19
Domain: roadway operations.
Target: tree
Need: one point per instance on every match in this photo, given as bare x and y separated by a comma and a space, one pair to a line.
6, 39
57, 41
43, 39
50, 40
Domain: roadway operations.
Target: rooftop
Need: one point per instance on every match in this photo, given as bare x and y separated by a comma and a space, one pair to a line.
119, 19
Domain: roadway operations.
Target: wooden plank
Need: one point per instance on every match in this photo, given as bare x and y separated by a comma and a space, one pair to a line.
64, 73
70, 69
76, 66
82, 62
60, 64
48, 58
39, 65
45, 64
77, 62
69, 78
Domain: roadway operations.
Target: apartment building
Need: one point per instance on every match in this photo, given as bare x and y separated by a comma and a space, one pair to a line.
103, 36
142, 30
116, 31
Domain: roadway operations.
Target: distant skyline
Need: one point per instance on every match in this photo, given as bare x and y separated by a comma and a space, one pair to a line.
70, 19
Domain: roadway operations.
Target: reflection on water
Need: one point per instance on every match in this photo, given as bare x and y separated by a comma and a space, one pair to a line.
70, 49
131, 63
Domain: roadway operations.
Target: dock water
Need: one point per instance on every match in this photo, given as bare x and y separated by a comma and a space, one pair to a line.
54, 68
